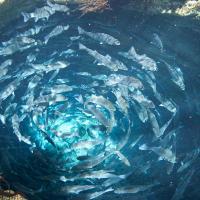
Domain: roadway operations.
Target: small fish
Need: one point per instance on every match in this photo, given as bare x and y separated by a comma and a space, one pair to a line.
15, 125
47, 67
133, 189
123, 158
101, 101
154, 123
56, 89
116, 179
84, 74
176, 75
122, 80
121, 102
86, 144
90, 163
58, 7
102, 77
103, 38
40, 13
9, 90
55, 32
50, 99
142, 100
100, 174
97, 194
146, 62
163, 153
99, 116
157, 42
6, 63
75, 189
166, 103
107, 61
32, 31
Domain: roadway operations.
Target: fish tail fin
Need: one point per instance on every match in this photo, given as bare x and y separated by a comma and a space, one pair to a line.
46, 40
26, 16
81, 46
66, 28
143, 147
80, 30
132, 51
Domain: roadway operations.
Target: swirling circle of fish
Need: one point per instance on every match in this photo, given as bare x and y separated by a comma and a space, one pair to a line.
82, 120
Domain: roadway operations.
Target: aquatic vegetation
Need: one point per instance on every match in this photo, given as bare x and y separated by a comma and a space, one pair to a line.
90, 111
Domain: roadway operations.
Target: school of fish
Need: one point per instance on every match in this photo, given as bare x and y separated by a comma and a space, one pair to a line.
86, 118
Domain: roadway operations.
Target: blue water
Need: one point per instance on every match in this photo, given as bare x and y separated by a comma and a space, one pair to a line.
34, 170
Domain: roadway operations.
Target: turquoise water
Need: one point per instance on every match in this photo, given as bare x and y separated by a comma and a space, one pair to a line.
55, 106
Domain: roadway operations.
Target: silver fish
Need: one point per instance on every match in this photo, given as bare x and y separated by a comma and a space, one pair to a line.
90, 163
103, 38
107, 61
56, 89
39, 13
102, 101
97, 194
5, 64
75, 189
134, 189
32, 31
142, 100
99, 116
127, 81
50, 66
123, 158
9, 90
157, 42
88, 144
15, 124
146, 62
114, 180
154, 123
163, 153
100, 174
58, 7
50, 99
177, 75
121, 102
56, 31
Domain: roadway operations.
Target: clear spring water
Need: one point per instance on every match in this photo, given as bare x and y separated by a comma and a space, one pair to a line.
40, 164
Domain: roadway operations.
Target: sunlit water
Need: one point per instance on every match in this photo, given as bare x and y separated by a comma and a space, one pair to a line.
47, 160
